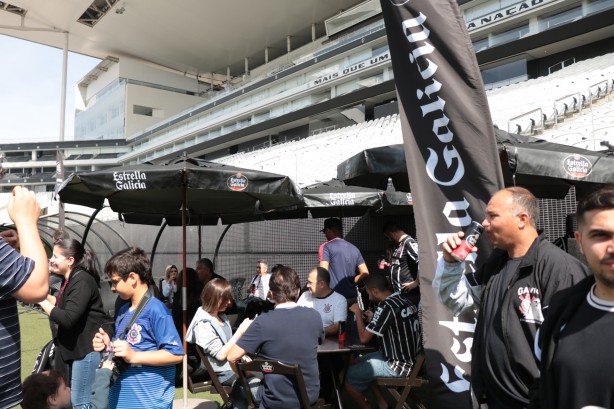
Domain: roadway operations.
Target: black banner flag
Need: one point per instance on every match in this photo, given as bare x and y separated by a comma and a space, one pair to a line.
452, 163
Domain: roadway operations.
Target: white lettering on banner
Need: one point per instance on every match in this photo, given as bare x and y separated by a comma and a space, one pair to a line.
432, 108
466, 356
130, 180
458, 327
458, 386
504, 13
352, 68
459, 207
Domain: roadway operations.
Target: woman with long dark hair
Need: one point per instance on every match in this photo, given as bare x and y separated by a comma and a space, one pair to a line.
77, 310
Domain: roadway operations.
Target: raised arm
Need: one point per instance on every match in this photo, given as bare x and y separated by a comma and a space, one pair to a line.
24, 210
450, 283
363, 272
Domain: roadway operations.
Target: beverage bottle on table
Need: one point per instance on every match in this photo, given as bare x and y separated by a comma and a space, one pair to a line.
341, 334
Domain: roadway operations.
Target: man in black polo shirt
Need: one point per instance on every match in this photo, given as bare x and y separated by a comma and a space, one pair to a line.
576, 338
396, 325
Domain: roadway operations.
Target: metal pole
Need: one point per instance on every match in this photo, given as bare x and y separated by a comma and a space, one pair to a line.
184, 298
155, 246
219, 243
63, 114
89, 225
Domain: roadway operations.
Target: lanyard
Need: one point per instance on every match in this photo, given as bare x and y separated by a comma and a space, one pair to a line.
138, 310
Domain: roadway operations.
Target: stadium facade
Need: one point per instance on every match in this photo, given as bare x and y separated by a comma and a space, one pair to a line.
297, 102
135, 110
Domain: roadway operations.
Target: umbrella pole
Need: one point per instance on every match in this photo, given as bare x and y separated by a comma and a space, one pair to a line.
200, 241
184, 292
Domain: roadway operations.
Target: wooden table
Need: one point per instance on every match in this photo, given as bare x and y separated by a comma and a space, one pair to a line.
330, 348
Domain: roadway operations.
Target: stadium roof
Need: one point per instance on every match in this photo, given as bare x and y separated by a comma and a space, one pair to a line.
192, 36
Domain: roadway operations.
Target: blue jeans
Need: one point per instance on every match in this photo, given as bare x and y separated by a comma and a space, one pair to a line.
82, 379
237, 395
369, 367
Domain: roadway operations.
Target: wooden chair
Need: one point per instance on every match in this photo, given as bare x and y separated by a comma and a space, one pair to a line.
266, 366
215, 386
400, 388
197, 386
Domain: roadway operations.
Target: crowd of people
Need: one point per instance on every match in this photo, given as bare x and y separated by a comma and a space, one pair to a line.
538, 307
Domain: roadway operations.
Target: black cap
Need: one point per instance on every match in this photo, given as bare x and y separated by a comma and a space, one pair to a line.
332, 223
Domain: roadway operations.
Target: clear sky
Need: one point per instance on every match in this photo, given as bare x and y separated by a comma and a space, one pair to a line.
30, 84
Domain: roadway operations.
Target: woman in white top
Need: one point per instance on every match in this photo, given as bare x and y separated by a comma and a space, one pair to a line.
169, 284
211, 330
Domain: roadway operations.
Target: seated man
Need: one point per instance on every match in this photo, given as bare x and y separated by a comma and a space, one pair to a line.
397, 327
259, 286
257, 300
331, 305
289, 334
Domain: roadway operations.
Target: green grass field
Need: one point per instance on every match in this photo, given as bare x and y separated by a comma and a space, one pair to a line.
35, 333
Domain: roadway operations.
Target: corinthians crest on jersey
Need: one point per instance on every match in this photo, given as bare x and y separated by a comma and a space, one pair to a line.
530, 305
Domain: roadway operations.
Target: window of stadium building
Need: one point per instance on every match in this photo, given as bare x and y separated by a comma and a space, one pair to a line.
595, 6
262, 116
567, 16
505, 74
480, 45
509, 35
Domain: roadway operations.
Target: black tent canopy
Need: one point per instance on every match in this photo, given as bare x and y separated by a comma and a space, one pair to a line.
547, 169
335, 198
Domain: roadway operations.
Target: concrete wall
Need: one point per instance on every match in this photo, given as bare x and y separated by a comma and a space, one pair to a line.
164, 103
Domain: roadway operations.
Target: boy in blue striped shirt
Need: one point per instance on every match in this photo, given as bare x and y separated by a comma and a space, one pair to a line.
151, 346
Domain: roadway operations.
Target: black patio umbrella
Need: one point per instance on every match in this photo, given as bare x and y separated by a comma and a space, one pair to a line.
193, 190
336, 199
547, 169
374, 167
149, 192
